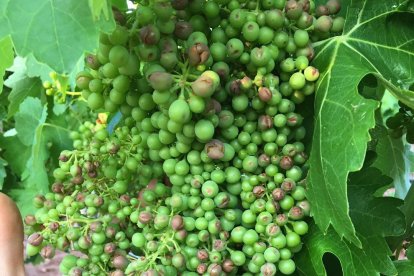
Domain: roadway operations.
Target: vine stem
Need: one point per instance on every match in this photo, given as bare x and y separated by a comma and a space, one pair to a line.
73, 93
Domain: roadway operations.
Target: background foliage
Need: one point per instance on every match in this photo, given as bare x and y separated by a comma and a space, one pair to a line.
353, 221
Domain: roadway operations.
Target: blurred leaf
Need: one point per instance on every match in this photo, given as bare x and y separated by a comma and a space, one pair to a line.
3, 164
7, 56
98, 7
42, 136
30, 117
15, 153
405, 268
120, 4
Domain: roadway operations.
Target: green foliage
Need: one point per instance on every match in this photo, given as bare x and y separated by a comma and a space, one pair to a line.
99, 7
6, 54
374, 218
343, 117
392, 160
405, 268
38, 136
3, 164
47, 21
364, 73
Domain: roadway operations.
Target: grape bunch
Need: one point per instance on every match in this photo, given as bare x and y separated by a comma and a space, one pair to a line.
402, 123
206, 172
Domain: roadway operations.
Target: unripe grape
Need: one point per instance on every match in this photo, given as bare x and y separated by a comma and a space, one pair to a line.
149, 35
338, 24
47, 252
321, 10
323, 24
278, 194
201, 268
205, 85
293, 9
265, 94
161, 80
311, 73
179, 111
297, 81
198, 54
215, 149
334, 6
118, 55
35, 239
301, 38
183, 30
179, 4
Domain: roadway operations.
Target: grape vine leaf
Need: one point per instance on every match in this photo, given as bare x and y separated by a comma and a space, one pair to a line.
405, 267
27, 87
32, 114
392, 161
377, 39
39, 136
374, 218
17, 70
15, 153
120, 4
99, 7
56, 32
7, 56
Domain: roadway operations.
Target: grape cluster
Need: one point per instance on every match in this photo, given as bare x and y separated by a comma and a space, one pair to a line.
205, 174
402, 123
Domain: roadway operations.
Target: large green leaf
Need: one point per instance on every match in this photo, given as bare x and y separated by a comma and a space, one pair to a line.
32, 114
35, 131
7, 56
15, 153
99, 7
377, 40
27, 87
405, 268
372, 259
374, 219
56, 32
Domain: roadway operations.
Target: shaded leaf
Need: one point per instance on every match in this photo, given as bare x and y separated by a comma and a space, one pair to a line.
372, 259
377, 40
374, 219
23, 196
120, 4
374, 215
15, 153
405, 268
392, 161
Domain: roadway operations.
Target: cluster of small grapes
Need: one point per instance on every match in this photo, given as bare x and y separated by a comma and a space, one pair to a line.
402, 123
59, 88
90, 208
205, 174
